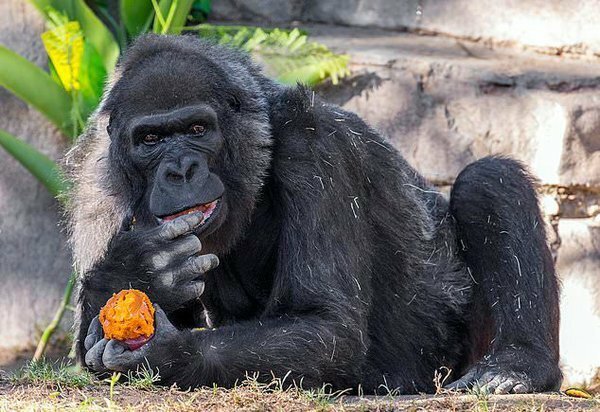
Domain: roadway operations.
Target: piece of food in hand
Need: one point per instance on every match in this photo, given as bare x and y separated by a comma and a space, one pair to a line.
128, 316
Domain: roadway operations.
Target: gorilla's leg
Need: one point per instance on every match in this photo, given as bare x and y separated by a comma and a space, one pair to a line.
501, 234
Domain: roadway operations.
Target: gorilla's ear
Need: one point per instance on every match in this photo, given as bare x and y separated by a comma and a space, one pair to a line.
109, 127
234, 102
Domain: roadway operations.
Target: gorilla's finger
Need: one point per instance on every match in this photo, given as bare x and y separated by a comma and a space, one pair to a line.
505, 387
520, 388
201, 264
163, 324
187, 246
195, 266
492, 385
180, 226
116, 357
94, 334
464, 383
93, 357
191, 290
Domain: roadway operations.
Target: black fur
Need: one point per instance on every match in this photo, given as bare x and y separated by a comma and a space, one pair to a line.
338, 262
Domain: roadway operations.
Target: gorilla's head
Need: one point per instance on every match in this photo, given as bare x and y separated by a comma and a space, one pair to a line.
188, 130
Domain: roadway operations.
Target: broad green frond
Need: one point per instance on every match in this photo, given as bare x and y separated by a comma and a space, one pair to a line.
37, 88
38, 164
287, 55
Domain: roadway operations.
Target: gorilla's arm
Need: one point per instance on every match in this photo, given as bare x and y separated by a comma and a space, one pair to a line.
315, 326
161, 261
308, 348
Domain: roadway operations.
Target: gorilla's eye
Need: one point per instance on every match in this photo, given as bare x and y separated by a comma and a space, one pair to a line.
151, 139
197, 129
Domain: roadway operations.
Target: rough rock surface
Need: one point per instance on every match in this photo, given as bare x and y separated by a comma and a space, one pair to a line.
446, 103
552, 25
34, 260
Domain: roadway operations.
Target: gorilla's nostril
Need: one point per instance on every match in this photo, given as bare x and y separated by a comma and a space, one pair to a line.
190, 172
174, 177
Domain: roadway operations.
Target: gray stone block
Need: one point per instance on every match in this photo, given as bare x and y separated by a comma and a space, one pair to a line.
445, 104
272, 11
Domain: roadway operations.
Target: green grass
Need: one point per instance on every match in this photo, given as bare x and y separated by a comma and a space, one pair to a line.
143, 378
54, 374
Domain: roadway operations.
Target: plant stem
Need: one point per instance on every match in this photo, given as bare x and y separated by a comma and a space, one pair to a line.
51, 328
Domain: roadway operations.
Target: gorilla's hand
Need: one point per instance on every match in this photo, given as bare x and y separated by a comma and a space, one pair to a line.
167, 344
163, 261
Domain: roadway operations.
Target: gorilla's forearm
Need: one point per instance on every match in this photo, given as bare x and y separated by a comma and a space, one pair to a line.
309, 348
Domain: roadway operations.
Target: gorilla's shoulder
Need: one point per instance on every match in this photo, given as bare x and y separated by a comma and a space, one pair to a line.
297, 113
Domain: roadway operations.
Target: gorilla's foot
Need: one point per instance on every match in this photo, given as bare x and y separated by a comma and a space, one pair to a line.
512, 370
495, 380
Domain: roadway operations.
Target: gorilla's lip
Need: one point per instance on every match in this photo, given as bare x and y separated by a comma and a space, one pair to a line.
207, 210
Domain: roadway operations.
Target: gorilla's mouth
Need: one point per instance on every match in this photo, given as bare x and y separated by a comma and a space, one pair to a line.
207, 210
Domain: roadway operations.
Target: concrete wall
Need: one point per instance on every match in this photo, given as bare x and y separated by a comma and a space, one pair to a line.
34, 261
556, 24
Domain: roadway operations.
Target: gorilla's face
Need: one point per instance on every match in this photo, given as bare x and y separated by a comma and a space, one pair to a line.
193, 138
176, 149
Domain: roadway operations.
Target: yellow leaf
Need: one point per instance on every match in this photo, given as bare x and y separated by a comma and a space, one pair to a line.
64, 45
578, 393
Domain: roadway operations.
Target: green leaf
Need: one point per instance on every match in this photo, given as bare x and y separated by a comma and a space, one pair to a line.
33, 85
91, 79
64, 45
136, 15
93, 29
38, 164
171, 15
285, 54
203, 6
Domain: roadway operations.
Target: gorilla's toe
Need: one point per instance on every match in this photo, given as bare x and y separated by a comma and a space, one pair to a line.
497, 381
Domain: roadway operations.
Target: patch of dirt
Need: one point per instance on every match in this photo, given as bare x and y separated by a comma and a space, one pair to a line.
17, 397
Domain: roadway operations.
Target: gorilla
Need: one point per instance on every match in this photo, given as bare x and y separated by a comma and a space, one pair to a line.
279, 235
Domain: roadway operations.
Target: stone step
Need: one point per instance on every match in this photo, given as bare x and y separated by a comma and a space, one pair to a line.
445, 103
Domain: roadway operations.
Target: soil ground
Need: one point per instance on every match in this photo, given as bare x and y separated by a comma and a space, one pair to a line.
56, 385
98, 397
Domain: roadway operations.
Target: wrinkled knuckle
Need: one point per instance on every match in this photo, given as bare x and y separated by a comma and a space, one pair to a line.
167, 280
169, 232
160, 260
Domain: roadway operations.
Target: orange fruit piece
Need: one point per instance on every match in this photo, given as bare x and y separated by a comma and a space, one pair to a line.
128, 316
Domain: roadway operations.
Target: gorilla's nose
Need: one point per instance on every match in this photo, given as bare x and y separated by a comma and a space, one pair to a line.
184, 171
